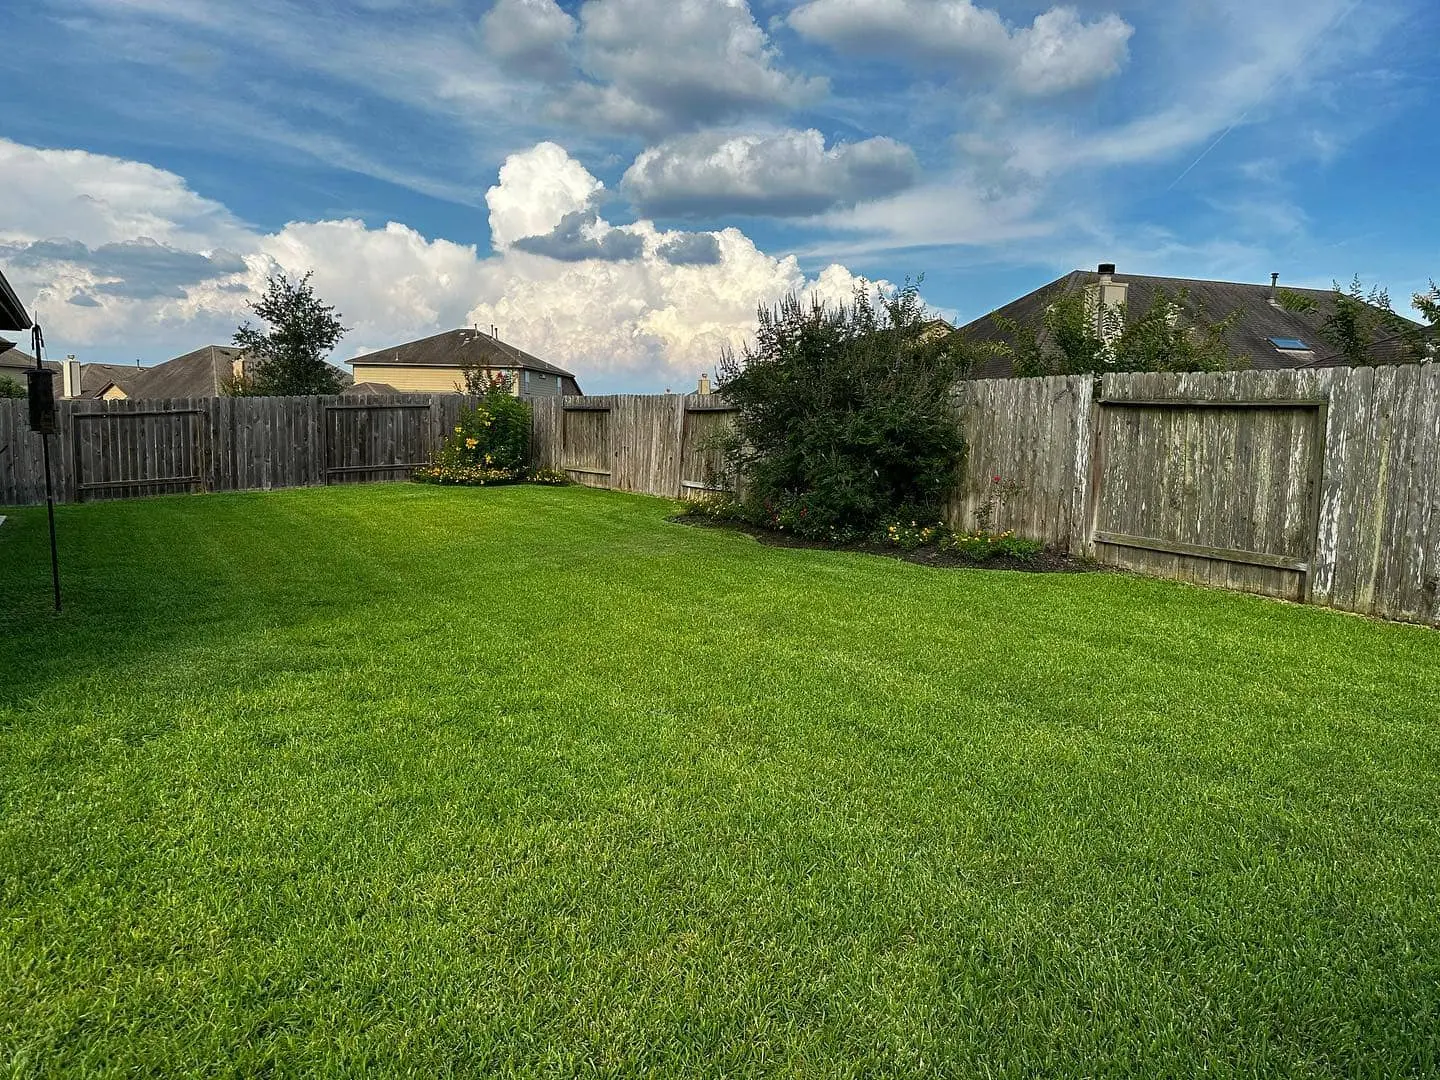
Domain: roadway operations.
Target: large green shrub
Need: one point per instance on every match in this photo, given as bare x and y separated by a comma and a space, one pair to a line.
846, 415
490, 444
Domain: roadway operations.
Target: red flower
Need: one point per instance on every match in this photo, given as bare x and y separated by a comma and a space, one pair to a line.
995, 479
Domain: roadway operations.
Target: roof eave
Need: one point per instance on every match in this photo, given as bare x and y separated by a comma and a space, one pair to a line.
12, 312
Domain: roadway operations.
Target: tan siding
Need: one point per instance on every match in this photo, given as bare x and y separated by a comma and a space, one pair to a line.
410, 379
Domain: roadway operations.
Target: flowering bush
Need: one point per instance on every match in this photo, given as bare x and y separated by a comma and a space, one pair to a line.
490, 444
978, 545
468, 475
911, 536
553, 477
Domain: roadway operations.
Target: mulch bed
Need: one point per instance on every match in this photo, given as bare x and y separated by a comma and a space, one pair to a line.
1046, 562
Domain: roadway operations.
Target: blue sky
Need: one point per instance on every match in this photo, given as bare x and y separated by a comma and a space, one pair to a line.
617, 184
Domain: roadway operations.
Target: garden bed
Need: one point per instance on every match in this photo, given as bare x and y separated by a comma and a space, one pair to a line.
1044, 562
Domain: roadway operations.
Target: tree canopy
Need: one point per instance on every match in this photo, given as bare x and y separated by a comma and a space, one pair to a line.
846, 413
290, 357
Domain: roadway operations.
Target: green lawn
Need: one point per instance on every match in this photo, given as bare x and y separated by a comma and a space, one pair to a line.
527, 781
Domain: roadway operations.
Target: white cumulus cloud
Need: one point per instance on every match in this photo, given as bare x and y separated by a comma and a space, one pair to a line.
537, 189
182, 269
783, 173
668, 65
529, 37
1058, 51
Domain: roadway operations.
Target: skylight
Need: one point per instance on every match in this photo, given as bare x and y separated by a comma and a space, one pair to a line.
1289, 344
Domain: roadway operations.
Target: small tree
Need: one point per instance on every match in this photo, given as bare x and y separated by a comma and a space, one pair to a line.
1170, 334
846, 415
289, 358
1428, 305
9, 388
1356, 319
482, 381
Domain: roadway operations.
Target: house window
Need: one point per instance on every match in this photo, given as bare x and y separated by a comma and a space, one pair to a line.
1289, 344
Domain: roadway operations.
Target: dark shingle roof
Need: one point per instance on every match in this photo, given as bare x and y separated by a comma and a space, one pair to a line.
202, 372
13, 364
12, 312
1248, 339
457, 348
361, 388
94, 378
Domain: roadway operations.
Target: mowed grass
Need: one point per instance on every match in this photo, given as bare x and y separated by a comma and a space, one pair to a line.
415, 781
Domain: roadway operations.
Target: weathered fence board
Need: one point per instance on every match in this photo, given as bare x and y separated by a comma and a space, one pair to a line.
1034, 434
659, 444
1217, 491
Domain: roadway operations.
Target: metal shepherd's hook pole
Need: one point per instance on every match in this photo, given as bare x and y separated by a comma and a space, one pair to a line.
37, 342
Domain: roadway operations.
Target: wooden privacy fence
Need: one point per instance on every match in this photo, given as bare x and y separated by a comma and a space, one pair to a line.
1320, 485
123, 449
663, 444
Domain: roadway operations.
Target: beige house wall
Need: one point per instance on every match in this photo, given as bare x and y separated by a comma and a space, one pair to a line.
409, 378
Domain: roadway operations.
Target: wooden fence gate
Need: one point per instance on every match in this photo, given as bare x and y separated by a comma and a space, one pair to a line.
702, 459
135, 452
1225, 493
655, 444
585, 443
376, 441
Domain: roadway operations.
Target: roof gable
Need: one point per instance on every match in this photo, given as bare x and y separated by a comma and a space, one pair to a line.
458, 348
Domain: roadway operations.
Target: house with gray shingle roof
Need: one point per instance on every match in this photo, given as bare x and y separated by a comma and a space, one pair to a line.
1265, 334
203, 372
437, 364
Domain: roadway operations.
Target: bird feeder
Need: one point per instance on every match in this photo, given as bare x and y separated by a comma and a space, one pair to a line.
42, 400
